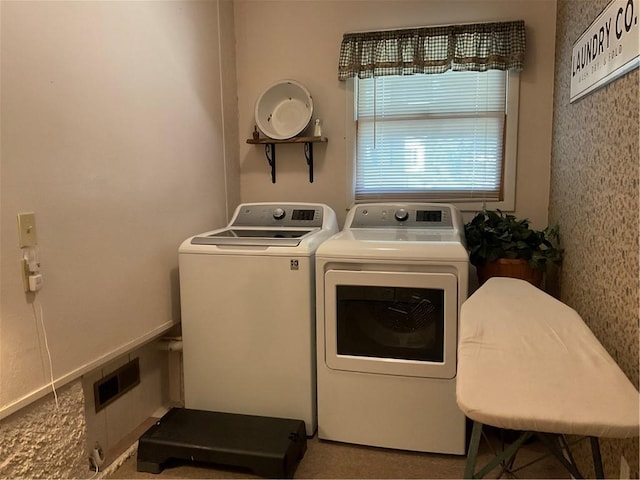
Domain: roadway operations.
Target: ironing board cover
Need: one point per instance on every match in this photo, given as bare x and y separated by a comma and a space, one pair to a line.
528, 362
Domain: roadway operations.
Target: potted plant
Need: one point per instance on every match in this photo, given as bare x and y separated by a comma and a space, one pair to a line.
501, 245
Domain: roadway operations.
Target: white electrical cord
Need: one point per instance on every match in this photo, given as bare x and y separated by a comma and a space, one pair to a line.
46, 344
96, 460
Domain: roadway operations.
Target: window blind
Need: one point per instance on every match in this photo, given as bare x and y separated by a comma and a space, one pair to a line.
430, 137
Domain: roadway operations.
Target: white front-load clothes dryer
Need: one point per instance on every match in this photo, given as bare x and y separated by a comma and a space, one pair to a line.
389, 290
248, 312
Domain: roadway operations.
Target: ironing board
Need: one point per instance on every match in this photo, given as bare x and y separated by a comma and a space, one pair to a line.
528, 362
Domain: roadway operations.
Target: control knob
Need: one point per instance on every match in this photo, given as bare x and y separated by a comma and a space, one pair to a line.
278, 213
401, 215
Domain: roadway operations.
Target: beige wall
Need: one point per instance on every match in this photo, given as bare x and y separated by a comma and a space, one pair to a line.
594, 198
301, 40
119, 131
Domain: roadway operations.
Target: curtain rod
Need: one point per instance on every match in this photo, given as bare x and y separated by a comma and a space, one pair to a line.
426, 26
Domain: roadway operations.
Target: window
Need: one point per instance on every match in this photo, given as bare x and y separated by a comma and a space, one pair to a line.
435, 112
447, 137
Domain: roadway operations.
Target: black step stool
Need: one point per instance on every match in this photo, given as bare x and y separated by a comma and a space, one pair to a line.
270, 447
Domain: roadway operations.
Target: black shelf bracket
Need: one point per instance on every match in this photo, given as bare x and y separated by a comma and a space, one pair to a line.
270, 151
308, 154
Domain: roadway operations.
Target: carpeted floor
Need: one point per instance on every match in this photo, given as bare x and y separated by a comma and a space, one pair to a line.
325, 459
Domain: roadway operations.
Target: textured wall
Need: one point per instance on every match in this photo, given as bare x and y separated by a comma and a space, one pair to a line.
42, 441
594, 198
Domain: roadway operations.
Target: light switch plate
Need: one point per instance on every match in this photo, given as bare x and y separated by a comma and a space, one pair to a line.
27, 230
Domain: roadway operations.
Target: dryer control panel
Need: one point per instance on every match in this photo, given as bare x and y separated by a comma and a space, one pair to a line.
401, 215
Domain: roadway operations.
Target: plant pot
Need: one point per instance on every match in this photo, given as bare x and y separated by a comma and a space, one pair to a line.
510, 267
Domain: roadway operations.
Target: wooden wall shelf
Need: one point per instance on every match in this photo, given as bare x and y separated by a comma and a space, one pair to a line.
270, 150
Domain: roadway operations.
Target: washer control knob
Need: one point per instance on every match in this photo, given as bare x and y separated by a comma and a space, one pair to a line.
401, 215
278, 213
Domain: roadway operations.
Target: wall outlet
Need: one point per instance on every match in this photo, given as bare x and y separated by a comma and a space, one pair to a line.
96, 457
625, 472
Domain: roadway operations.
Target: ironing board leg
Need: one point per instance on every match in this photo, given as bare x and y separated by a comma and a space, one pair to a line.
597, 458
551, 441
504, 456
472, 455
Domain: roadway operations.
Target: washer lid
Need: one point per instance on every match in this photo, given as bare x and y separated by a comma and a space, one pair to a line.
282, 228
253, 237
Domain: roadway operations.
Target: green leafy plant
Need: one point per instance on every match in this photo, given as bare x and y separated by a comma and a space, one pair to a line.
492, 235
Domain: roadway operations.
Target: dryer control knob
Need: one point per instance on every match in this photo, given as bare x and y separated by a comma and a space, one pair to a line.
401, 215
278, 213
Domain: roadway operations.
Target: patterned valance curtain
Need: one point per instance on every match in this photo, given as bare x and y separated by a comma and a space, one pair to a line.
476, 47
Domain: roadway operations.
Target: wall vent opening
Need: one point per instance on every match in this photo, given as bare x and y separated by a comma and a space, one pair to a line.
109, 388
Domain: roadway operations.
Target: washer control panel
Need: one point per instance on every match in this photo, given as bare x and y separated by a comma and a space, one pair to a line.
260, 215
401, 215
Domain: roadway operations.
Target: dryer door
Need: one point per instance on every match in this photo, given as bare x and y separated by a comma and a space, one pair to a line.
391, 323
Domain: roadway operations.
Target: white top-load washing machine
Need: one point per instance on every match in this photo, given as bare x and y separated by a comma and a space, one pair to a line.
248, 311
389, 289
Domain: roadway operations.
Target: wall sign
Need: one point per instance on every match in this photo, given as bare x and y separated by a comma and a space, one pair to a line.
607, 49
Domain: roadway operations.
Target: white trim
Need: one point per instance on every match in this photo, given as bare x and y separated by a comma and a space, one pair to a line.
222, 121
350, 142
44, 390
